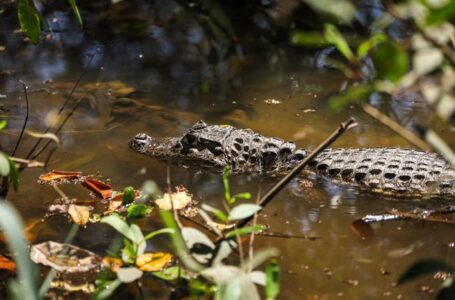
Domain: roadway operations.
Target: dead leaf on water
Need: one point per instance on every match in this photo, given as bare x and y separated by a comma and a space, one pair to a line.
75, 260
181, 200
114, 205
151, 262
7, 264
79, 213
60, 177
101, 188
86, 288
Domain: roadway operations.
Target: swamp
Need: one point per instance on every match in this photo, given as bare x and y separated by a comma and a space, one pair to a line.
96, 202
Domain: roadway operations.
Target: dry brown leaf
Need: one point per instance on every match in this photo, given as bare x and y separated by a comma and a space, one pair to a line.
151, 262
114, 205
7, 264
79, 213
112, 263
58, 177
180, 200
75, 259
101, 188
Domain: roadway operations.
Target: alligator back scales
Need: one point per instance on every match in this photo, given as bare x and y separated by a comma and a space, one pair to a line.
388, 170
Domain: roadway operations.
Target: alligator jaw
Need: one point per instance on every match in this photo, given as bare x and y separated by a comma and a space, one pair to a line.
170, 148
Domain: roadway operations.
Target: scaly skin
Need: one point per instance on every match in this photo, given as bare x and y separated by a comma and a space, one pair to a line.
387, 170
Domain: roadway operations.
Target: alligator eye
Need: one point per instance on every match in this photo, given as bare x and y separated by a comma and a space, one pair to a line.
189, 139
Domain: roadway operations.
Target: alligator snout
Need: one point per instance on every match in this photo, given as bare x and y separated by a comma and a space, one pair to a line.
139, 142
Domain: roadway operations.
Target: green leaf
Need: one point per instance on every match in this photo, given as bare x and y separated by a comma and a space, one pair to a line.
171, 273
272, 287
245, 196
107, 290
12, 226
308, 39
128, 195
227, 191
365, 47
157, 232
333, 36
127, 275
343, 10
3, 124
390, 61
129, 252
221, 216
245, 230
118, 224
243, 211
424, 267
354, 94
13, 174
5, 166
76, 11
29, 20
136, 211
441, 14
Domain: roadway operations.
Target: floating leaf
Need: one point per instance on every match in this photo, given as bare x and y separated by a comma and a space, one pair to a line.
101, 188
245, 230
79, 213
151, 262
180, 200
424, 267
7, 264
243, 211
127, 275
113, 263
58, 177
114, 205
272, 272
29, 20
64, 257
128, 195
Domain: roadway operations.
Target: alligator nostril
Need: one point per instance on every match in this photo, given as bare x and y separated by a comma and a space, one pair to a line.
140, 136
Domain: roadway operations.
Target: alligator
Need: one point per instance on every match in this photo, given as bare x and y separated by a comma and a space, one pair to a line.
386, 170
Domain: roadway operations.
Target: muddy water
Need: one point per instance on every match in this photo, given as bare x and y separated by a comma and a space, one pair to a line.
336, 263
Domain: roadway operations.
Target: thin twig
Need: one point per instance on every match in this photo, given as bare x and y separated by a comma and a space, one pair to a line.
26, 118
38, 142
38, 153
438, 144
26, 162
400, 130
351, 123
425, 215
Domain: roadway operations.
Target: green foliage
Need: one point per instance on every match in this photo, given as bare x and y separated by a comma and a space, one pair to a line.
353, 94
76, 11
3, 124
272, 287
440, 14
29, 20
24, 287
308, 39
136, 211
333, 36
245, 230
390, 61
128, 195
8, 169
342, 10
243, 211
227, 191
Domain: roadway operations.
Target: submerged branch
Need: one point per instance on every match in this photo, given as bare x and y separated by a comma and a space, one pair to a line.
26, 118
418, 215
343, 127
